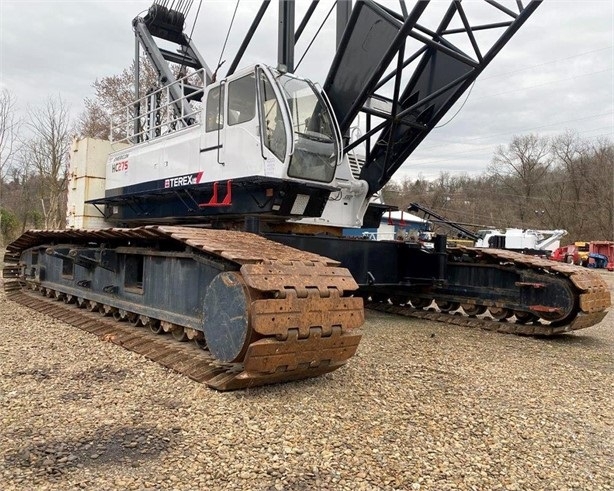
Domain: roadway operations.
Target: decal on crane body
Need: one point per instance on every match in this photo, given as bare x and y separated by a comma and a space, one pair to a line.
187, 180
119, 166
120, 163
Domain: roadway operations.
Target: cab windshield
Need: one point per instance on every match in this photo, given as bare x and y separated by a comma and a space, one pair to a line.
315, 143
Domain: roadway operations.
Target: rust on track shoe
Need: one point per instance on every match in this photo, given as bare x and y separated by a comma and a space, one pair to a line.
586, 303
271, 313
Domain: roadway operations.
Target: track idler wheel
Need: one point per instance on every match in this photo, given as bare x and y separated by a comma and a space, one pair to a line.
226, 317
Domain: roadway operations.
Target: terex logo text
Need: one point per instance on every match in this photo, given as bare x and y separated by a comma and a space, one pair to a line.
189, 179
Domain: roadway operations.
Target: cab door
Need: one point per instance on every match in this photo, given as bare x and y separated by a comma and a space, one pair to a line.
242, 153
212, 142
275, 129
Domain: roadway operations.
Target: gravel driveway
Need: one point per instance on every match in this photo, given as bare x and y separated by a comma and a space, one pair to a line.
422, 406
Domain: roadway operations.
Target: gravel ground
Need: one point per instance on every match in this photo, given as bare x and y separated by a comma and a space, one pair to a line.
422, 406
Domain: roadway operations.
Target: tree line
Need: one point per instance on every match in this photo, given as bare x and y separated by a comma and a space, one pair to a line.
562, 182
533, 182
33, 165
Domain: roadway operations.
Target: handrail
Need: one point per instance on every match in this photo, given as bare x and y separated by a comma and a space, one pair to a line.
158, 113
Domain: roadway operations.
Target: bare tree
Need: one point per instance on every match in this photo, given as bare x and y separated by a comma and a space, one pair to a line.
599, 190
24, 192
521, 168
567, 180
9, 126
114, 93
46, 154
564, 189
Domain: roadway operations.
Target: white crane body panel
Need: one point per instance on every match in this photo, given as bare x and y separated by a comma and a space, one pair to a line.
258, 123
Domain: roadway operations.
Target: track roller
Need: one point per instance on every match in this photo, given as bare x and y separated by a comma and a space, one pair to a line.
473, 310
420, 303
524, 317
155, 326
92, 306
179, 335
107, 311
399, 300
446, 306
500, 313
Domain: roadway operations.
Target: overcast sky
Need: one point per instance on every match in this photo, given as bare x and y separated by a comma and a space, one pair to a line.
554, 75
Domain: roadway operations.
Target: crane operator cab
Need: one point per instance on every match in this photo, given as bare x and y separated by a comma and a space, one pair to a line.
268, 140
262, 122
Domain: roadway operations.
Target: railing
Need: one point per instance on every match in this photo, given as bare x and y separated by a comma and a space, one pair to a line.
356, 164
160, 112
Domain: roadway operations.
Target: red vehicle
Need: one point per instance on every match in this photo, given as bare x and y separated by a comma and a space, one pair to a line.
596, 254
603, 248
571, 254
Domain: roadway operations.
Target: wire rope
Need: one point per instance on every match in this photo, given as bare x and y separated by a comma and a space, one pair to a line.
459, 109
220, 62
315, 35
191, 32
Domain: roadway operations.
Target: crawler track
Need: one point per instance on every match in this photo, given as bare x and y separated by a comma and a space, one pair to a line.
592, 298
302, 325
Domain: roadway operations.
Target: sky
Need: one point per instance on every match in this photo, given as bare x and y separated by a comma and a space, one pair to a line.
555, 75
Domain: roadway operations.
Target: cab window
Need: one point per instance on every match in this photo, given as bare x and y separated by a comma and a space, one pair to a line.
241, 100
273, 131
214, 115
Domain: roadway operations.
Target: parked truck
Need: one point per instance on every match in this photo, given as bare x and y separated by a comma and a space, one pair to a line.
601, 254
576, 253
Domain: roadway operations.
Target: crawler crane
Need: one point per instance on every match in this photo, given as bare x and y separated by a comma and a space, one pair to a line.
228, 196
